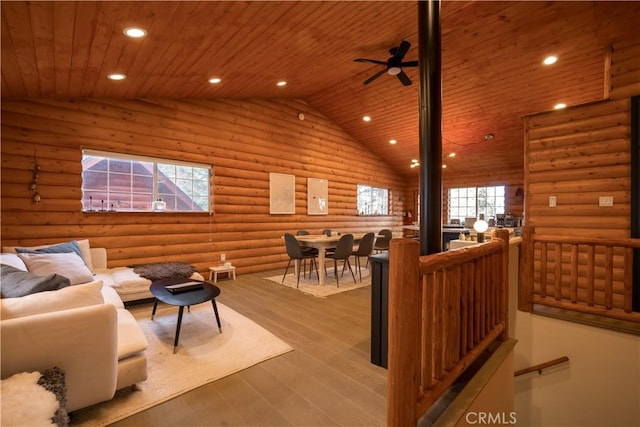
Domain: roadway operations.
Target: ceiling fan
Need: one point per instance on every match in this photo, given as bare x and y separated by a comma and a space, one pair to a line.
394, 64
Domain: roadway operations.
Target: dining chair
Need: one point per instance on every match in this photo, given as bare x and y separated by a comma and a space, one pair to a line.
326, 232
302, 233
295, 252
364, 249
382, 242
343, 251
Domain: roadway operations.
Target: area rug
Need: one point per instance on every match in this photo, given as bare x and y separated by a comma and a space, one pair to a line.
204, 355
312, 287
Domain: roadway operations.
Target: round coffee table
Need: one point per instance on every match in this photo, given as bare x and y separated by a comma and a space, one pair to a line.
208, 292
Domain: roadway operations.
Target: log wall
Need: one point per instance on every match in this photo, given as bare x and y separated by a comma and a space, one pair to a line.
623, 70
578, 155
244, 140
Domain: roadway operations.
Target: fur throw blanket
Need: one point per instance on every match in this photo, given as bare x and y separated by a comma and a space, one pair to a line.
163, 270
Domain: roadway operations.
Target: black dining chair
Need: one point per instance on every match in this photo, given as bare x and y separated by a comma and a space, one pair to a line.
343, 251
295, 252
364, 249
382, 242
302, 233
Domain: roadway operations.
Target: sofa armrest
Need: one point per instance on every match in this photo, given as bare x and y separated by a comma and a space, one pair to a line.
82, 341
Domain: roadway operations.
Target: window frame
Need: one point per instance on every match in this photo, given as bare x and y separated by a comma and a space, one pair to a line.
157, 163
479, 210
371, 188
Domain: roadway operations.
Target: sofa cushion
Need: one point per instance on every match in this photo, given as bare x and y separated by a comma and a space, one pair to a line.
83, 245
131, 340
50, 301
69, 265
17, 283
111, 296
13, 260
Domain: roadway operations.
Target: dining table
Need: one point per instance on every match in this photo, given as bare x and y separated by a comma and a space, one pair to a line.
323, 242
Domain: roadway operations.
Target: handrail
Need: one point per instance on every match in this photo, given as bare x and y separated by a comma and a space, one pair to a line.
539, 367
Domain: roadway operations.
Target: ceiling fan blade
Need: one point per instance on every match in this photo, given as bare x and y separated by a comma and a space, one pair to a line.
409, 64
375, 76
404, 78
402, 49
373, 61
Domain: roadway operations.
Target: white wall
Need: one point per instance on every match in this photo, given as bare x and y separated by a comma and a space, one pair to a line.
599, 386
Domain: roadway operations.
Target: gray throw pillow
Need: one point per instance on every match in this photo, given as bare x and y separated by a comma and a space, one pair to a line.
16, 283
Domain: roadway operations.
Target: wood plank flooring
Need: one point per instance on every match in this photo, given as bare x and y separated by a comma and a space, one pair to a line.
327, 380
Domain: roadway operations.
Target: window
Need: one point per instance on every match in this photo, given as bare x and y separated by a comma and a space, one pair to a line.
372, 200
120, 182
471, 201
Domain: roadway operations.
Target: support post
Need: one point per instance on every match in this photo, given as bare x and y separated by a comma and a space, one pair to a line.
430, 126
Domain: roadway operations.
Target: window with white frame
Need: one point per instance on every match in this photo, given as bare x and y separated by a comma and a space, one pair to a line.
122, 182
372, 200
470, 202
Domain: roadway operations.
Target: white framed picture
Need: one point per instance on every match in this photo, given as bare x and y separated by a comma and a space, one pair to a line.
282, 193
317, 196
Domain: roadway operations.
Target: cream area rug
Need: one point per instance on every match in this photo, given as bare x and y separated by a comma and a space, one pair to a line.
313, 287
204, 355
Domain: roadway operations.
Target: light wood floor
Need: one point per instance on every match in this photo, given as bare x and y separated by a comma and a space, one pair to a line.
327, 380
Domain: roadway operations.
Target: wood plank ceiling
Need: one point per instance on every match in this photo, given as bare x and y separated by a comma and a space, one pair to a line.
492, 53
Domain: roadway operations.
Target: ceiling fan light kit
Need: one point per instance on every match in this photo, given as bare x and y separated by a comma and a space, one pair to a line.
393, 64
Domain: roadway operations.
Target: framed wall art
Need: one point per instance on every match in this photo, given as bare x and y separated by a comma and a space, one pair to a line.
317, 196
282, 193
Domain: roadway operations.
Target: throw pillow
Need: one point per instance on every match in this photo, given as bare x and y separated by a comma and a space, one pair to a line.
13, 260
17, 283
84, 250
46, 302
69, 265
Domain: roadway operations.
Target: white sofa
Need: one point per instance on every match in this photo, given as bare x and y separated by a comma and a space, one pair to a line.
84, 329
129, 285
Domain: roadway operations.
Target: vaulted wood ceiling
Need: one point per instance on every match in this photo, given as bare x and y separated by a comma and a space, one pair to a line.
492, 53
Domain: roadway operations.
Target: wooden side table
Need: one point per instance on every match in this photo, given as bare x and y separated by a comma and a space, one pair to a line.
215, 270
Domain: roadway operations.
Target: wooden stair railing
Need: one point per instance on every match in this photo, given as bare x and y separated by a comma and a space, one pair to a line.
445, 309
587, 275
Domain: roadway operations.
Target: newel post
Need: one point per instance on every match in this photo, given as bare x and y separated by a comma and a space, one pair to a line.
404, 337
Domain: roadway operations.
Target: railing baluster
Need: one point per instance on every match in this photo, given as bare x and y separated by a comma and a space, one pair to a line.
591, 266
557, 292
543, 270
628, 280
573, 280
608, 274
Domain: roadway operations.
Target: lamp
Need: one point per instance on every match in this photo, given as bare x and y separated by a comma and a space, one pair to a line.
480, 226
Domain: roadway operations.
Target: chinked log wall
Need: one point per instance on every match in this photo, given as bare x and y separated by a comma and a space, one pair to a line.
578, 155
244, 140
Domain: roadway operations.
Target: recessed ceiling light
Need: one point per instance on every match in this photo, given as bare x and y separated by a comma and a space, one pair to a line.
393, 141
489, 136
215, 80
551, 59
444, 166
451, 155
414, 165
560, 106
281, 83
117, 76
366, 118
414, 161
134, 32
